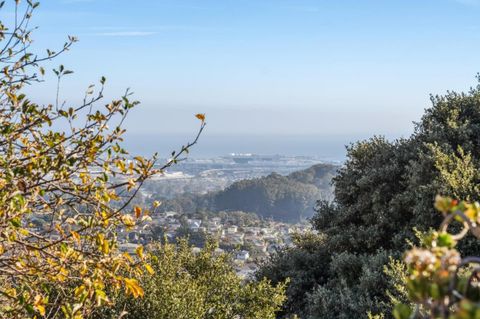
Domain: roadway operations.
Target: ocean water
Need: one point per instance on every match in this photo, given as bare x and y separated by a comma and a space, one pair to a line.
330, 148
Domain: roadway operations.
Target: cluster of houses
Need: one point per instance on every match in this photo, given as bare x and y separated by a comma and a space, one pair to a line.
247, 244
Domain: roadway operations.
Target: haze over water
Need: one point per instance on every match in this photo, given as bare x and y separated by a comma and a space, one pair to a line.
329, 148
300, 77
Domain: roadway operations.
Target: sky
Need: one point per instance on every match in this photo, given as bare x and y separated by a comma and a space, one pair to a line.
272, 76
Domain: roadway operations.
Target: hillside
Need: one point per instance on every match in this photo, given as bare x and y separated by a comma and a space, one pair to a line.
286, 198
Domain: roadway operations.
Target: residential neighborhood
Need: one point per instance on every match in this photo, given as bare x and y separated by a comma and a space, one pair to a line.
246, 244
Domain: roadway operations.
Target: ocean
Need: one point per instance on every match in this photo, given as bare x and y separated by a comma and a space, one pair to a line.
328, 148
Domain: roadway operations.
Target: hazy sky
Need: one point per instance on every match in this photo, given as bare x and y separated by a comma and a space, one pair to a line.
271, 67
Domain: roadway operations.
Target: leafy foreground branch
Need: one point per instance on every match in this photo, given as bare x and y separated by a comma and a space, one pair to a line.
440, 282
66, 185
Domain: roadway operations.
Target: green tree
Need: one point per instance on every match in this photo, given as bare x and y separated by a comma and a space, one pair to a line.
189, 285
286, 198
383, 191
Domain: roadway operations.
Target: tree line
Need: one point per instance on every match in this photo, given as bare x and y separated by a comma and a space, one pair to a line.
288, 198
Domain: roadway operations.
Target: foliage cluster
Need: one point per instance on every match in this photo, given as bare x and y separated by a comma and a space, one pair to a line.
383, 191
63, 164
439, 281
200, 285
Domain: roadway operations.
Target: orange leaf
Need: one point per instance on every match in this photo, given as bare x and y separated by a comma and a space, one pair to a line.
138, 211
200, 116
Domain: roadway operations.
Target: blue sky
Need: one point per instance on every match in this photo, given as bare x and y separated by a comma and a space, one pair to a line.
341, 68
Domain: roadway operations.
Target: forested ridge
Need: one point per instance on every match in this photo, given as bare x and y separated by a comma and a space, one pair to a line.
285, 198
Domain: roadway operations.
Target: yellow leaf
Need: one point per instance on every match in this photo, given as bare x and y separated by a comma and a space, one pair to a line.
139, 251
471, 213
127, 257
41, 309
139, 159
128, 220
156, 204
105, 247
149, 269
39, 304
79, 290
133, 287
131, 184
100, 297
121, 165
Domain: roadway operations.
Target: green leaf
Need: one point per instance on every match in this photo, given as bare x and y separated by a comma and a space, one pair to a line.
445, 240
402, 311
16, 222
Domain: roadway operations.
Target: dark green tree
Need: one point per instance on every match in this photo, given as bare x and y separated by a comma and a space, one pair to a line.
384, 190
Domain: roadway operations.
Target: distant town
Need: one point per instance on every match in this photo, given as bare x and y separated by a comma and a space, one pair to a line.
200, 176
247, 241
247, 244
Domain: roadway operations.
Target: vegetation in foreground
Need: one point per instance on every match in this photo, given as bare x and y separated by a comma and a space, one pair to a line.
383, 195
64, 194
185, 284
440, 283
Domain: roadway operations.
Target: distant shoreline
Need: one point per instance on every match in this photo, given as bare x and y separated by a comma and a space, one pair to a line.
324, 148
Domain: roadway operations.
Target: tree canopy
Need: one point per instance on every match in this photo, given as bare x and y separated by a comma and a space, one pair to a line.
202, 285
287, 198
383, 192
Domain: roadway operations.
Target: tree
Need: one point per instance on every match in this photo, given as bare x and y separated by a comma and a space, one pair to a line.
66, 184
384, 191
200, 285
285, 198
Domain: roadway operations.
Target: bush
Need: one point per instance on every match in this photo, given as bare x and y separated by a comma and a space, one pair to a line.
183, 284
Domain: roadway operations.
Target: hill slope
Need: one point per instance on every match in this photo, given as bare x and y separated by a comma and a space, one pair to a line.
286, 198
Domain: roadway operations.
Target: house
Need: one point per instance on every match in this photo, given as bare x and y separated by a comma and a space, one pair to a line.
252, 230
243, 255
194, 224
214, 229
259, 246
128, 248
232, 229
216, 220
171, 214
235, 239
174, 226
